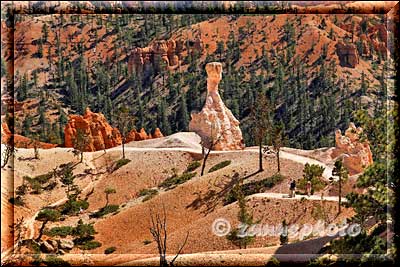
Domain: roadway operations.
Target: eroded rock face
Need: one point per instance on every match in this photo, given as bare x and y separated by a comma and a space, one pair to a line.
142, 135
348, 55
215, 121
356, 152
169, 53
101, 135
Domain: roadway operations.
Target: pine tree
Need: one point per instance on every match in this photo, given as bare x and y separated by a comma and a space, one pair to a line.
22, 92
182, 117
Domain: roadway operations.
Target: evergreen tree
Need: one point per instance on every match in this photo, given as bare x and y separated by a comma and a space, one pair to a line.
182, 116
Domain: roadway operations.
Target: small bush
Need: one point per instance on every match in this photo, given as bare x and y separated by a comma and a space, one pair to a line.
220, 165
72, 206
43, 178
62, 231
192, 166
146, 242
110, 250
52, 260
17, 201
148, 193
255, 187
90, 245
105, 210
175, 180
121, 162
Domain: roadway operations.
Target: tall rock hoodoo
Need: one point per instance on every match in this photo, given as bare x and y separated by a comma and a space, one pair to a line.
215, 121
356, 152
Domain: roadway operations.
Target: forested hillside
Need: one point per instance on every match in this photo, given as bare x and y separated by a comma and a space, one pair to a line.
315, 69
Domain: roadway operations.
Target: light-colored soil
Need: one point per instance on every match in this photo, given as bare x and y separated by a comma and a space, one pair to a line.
191, 207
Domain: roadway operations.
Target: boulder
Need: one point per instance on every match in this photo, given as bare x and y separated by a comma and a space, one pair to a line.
47, 247
215, 122
348, 55
65, 244
354, 148
100, 134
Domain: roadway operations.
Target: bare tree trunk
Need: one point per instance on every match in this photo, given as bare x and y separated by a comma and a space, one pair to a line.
41, 231
106, 200
81, 157
204, 162
123, 148
278, 161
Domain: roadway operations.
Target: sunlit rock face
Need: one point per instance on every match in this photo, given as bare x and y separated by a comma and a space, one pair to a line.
215, 121
100, 133
356, 152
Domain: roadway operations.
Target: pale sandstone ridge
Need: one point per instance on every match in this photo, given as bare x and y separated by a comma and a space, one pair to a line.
356, 152
100, 133
215, 120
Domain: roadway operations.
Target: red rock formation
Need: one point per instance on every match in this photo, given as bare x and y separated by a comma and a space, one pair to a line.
157, 133
95, 126
356, 152
215, 121
169, 52
21, 141
347, 54
142, 135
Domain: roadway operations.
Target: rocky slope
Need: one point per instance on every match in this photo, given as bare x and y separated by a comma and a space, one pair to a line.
153, 66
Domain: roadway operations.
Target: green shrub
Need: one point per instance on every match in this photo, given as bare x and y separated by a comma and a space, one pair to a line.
61, 231
192, 166
73, 206
175, 180
43, 178
52, 260
121, 162
219, 165
110, 250
105, 210
254, 187
316, 184
17, 201
90, 245
148, 193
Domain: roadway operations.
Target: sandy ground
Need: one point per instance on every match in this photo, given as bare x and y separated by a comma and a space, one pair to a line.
191, 207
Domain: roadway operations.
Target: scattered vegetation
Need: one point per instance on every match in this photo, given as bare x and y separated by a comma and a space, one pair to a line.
73, 206
193, 166
176, 180
110, 250
104, 211
219, 166
244, 217
62, 231
52, 260
121, 162
254, 187
148, 193
312, 173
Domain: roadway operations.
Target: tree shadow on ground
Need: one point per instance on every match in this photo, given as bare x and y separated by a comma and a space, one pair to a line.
216, 192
